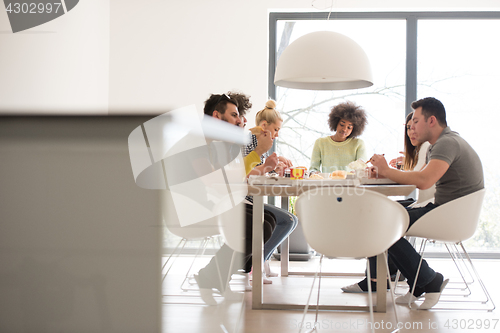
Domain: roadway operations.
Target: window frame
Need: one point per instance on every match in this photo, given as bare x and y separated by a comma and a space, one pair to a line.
412, 19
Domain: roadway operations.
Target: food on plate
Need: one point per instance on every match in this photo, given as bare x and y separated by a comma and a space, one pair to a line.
357, 165
316, 176
339, 174
256, 130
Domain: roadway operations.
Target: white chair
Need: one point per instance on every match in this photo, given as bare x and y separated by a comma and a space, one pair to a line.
204, 232
452, 223
341, 223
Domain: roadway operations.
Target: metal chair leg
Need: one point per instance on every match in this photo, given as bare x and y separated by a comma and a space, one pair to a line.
309, 299
201, 249
370, 300
184, 241
392, 293
483, 287
418, 270
455, 257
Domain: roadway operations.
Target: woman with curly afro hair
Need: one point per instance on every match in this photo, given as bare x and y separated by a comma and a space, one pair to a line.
335, 152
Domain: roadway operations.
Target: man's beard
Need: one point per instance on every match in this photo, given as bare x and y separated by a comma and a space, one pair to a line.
223, 117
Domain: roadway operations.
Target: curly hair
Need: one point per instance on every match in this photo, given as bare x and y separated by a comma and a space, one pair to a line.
219, 103
350, 112
243, 101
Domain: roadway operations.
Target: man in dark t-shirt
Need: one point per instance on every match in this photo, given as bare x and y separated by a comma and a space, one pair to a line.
456, 170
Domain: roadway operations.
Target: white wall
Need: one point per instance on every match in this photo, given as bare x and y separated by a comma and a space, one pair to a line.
149, 56
58, 67
170, 54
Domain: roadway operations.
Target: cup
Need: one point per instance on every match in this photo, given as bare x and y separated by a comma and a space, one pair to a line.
297, 173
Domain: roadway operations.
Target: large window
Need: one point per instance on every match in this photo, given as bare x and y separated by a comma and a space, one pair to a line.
450, 56
305, 113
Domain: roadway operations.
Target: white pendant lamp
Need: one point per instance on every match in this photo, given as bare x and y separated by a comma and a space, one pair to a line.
323, 60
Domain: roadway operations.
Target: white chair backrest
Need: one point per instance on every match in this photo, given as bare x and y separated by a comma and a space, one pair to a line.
206, 228
342, 223
232, 227
454, 221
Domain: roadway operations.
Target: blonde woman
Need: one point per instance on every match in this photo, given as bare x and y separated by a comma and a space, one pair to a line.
269, 119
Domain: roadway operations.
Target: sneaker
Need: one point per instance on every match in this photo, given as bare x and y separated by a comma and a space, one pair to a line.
361, 287
248, 285
409, 298
265, 279
353, 288
267, 270
431, 298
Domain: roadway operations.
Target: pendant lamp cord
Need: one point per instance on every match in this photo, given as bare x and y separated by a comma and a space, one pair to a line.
331, 8
330, 13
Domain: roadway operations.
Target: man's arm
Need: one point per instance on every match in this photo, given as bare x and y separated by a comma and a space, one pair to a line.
423, 179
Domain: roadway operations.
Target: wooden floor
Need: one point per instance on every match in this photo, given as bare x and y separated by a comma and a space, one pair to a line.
185, 312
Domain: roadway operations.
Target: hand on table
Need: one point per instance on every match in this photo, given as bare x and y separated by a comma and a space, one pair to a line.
397, 161
271, 162
285, 161
379, 167
280, 169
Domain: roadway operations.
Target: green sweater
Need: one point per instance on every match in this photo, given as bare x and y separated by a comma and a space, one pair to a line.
331, 155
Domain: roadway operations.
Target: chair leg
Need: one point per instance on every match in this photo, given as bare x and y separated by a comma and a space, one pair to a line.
483, 287
485, 291
392, 291
455, 257
370, 300
462, 260
184, 241
422, 247
412, 241
319, 289
309, 299
201, 248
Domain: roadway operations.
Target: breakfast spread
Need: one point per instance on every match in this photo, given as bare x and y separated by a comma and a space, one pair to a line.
338, 174
315, 176
357, 165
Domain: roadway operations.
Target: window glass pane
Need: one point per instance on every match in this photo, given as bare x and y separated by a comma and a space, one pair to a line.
458, 63
305, 113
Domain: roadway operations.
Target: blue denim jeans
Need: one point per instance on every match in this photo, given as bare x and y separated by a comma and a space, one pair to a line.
285, 223
405, 257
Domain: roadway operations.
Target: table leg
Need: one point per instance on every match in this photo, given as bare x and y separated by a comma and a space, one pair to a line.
381, 284
257, 252
285, 249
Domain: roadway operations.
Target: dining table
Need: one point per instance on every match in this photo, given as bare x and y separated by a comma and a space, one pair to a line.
285, 189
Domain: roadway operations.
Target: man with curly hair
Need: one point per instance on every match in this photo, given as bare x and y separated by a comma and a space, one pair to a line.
335, 152
244, 105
